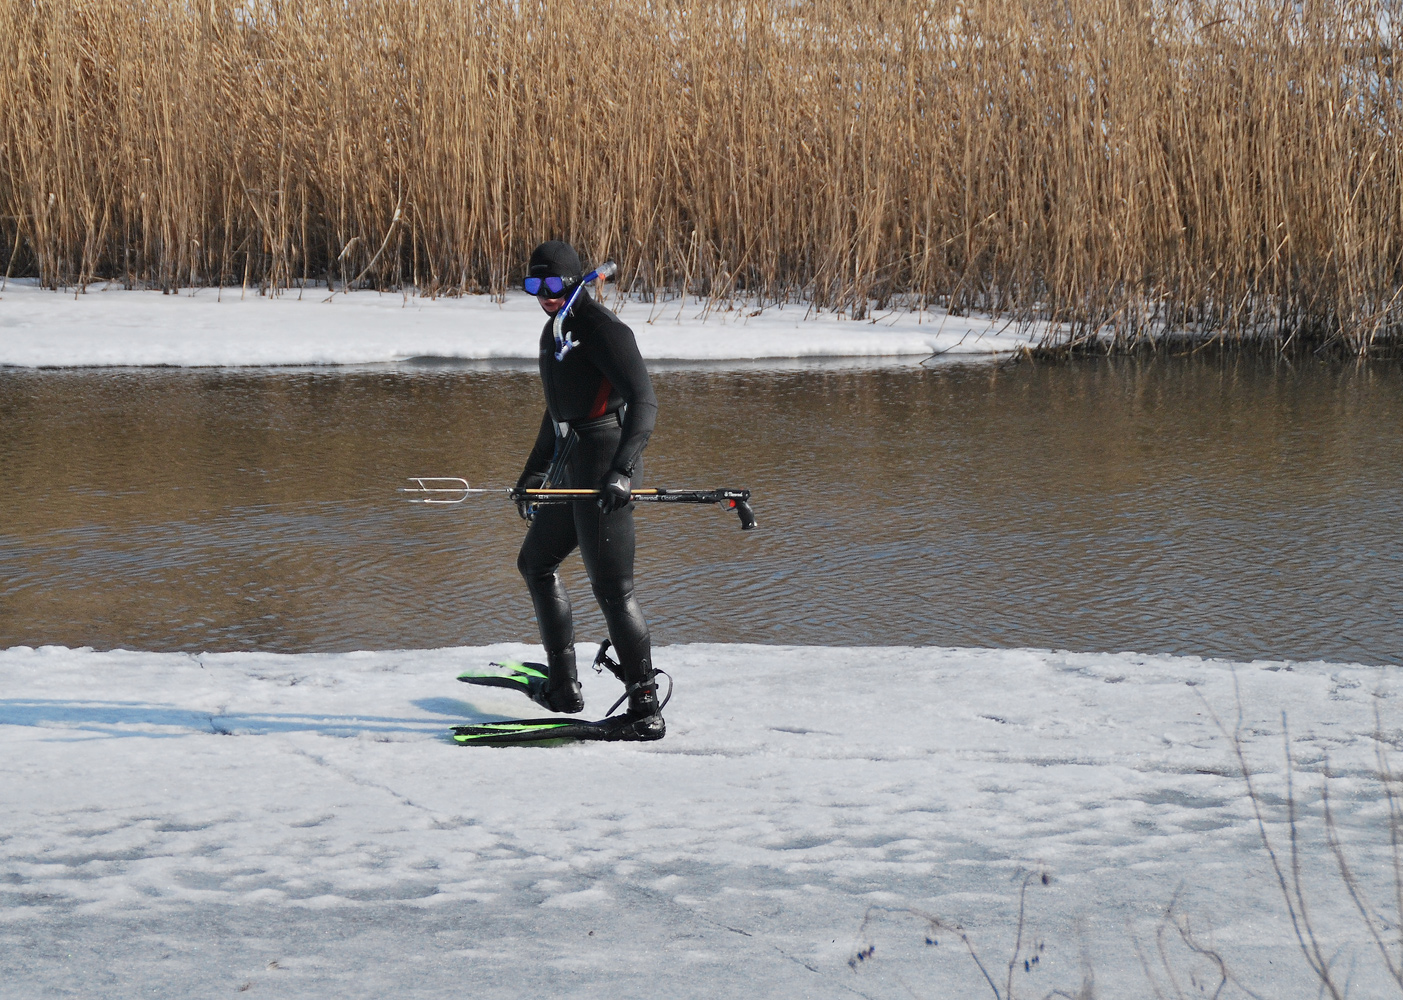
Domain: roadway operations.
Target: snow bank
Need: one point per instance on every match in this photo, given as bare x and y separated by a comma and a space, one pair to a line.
112, 326
182, 825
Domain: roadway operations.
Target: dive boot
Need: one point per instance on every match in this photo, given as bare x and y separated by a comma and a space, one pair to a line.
560, 692
644, 719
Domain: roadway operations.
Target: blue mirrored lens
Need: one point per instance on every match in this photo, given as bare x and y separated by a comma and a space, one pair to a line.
552, 284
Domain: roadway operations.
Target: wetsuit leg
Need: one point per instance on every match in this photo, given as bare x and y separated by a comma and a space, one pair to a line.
549, 540
607, 548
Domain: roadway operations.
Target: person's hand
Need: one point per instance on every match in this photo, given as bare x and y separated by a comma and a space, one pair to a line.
614, 492
528, 481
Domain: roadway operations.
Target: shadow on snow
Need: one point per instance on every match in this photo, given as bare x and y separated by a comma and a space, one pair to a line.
136, 718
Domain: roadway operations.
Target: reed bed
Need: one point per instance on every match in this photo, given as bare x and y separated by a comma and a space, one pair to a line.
1130, 170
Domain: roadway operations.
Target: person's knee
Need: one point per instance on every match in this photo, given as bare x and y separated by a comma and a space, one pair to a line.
613, 593
534, 569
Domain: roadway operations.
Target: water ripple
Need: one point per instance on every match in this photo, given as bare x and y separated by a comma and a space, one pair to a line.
1241, 509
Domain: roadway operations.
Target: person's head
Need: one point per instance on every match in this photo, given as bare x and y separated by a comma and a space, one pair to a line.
553, 273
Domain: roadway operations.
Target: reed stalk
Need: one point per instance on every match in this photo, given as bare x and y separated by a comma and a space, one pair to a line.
1128, 169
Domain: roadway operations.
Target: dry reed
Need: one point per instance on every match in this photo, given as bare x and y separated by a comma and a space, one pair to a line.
1126, 168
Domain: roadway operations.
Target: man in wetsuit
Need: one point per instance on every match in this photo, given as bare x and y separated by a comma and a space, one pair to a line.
600, 411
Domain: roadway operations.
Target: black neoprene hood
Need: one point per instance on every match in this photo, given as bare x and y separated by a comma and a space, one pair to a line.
555, 257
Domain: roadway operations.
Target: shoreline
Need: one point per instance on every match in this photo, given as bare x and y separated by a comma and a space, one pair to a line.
211, 328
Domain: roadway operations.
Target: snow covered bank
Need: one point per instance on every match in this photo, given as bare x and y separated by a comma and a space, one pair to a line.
112, 326
180, 825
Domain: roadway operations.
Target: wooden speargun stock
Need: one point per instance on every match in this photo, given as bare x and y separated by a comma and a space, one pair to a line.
452, 490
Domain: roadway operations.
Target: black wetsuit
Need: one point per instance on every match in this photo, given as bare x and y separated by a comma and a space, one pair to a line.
601, 389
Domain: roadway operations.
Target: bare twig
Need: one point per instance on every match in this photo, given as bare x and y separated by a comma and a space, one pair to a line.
346, 285
1391, 781
937, 925
1220, 965
1291, 891
1370, 916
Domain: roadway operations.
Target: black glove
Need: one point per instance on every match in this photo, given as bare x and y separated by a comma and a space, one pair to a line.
528, 481
614, 492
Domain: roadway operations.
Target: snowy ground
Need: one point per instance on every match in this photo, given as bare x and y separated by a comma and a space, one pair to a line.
174, 825
112, 326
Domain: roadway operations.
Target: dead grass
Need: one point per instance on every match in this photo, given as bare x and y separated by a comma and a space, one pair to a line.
1123, 167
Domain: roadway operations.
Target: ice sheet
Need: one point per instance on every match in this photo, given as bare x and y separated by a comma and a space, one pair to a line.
108, 325
183, 825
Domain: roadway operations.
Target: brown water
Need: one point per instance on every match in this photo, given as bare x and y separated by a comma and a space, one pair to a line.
1241, 508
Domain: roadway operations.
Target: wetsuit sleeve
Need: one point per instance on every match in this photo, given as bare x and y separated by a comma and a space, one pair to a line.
615, 353
543, 450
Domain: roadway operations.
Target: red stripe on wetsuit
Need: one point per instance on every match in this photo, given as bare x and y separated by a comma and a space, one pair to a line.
601, 401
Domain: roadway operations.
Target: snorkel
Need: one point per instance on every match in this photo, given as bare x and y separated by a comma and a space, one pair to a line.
563, 343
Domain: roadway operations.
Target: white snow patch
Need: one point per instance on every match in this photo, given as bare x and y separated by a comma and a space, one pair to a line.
583, 899
234, 810
110, 326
